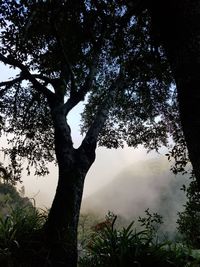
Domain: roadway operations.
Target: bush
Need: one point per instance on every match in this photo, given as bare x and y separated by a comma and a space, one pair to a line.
18, 231
127, 247
189, 219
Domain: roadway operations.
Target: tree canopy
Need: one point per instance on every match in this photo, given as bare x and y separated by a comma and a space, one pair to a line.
70, 51
66, 52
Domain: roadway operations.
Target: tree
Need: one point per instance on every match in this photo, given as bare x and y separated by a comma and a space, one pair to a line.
66, 52
176, 27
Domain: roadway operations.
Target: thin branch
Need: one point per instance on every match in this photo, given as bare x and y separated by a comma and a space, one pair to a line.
11, 82
15, 101
28, 76
90, 78
81, 93
78, 95
8, 84
97, 48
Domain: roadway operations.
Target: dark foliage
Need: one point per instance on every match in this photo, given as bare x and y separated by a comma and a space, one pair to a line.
60, 51
65, 52
189, 219
127, 247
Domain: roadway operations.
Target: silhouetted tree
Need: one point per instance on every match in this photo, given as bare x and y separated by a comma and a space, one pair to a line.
65, 52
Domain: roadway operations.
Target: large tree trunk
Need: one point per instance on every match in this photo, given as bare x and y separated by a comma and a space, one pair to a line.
177, 24
62, 223
63, 218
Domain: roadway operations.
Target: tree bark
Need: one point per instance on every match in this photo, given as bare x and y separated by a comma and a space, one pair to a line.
177, 26
62, 223
63, 218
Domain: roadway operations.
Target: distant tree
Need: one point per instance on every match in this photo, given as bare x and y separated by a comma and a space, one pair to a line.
67, 52
6, 175
3, 174
174, 27
10, 199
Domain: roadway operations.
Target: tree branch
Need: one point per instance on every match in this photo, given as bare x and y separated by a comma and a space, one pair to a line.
27, 75
20, 78
102, 113
46, 79
11, 82
79, 95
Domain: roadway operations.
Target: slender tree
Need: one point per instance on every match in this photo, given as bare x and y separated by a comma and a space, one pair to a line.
66, 52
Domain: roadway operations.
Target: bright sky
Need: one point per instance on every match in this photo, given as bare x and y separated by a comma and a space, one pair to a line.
107, 165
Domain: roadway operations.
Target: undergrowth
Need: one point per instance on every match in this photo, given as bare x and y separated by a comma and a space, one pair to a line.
21, 243
19, 236
127, 247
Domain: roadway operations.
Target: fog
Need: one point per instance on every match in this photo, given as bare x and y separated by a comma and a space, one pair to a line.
149, 183
108, 164
124, 181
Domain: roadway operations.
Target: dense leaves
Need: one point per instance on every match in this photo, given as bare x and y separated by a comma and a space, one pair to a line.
138, 114
65, 46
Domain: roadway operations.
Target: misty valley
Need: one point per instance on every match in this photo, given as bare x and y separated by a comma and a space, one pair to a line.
140, 217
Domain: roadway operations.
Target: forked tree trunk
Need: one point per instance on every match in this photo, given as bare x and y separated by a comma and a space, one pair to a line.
73, 166
178, 26
62, 223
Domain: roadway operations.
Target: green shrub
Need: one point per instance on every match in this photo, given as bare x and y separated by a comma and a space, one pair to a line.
127, 247
189, 219
18, 232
